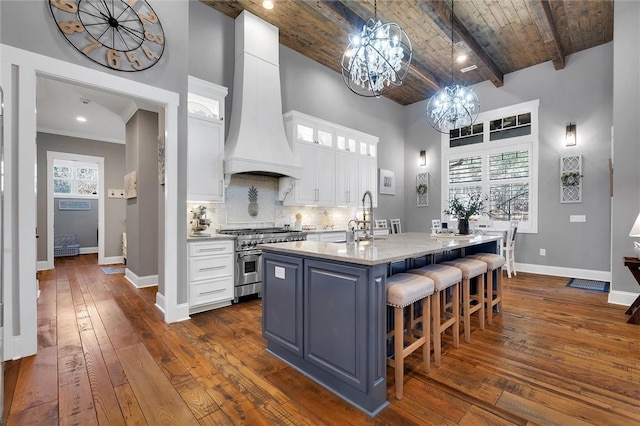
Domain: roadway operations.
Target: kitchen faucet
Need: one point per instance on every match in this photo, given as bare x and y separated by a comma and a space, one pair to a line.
367, 235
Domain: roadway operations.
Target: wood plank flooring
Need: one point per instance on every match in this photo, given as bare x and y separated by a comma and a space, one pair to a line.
555, 356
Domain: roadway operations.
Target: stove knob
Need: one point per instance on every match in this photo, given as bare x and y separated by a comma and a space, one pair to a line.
243, 244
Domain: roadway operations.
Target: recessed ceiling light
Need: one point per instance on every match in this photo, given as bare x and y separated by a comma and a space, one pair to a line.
268, 4
81, 119
461, 58
469, 68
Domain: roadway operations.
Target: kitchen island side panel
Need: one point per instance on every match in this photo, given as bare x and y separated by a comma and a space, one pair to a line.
282, 302
343, 323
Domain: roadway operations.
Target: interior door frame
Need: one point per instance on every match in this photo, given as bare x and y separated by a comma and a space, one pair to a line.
51, 157
19, 70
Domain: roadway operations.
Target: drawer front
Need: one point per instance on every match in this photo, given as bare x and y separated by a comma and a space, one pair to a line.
210, 291
207, 248
202, 268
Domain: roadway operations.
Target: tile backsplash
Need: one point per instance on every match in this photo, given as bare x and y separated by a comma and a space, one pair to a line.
236, 212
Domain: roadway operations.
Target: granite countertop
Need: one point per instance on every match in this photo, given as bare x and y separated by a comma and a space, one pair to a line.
384, 249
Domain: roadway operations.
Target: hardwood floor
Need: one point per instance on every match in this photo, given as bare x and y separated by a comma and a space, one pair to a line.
556, 355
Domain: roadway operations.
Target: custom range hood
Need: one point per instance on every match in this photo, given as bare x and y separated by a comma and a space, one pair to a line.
257, 142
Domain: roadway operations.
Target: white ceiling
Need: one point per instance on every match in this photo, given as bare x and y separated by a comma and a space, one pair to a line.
59, 103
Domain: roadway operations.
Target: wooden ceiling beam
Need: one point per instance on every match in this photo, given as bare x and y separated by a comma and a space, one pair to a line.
440, 12
544, 20
344, 14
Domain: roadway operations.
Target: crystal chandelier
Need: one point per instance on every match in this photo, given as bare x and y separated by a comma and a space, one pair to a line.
377, 60
453, 106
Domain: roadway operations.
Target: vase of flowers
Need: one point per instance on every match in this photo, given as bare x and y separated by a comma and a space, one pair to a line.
464, 208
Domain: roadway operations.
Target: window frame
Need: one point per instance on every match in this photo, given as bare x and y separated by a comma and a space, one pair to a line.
488, 147
74, 165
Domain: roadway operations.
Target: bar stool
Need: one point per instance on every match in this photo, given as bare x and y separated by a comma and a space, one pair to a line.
404, 290
494, 262
444, 277
471, 268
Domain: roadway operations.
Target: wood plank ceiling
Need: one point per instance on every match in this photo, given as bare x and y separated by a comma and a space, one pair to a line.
498, 36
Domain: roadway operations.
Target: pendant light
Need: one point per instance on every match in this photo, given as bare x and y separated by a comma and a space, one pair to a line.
378, 59
453, 106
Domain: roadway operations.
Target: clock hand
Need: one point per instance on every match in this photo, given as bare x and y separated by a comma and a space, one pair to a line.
106, 6
134, 34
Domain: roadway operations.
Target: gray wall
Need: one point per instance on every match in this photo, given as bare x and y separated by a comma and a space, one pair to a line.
581, 93
114, 155
27, 24
626, 149
142, 210
81, 223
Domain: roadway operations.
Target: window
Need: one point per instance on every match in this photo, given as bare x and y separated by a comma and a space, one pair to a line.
75, 179
498, 161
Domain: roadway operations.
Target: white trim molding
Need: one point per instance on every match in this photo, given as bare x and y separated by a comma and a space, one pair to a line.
140, 282
113, 260
618, 297
559, 271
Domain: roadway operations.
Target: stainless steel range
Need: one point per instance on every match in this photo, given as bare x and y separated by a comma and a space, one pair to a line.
248, 273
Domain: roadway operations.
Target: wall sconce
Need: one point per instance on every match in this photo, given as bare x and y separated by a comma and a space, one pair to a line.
570, 139
423, 158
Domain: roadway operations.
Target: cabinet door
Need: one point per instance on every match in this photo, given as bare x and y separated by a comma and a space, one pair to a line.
368, 171
335, 320
282, 301
325, 174
346, 179
205, 151
305, 188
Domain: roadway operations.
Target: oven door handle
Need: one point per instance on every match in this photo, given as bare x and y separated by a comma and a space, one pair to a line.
249, 253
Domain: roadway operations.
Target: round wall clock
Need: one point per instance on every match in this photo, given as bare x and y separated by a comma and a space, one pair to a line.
124, 35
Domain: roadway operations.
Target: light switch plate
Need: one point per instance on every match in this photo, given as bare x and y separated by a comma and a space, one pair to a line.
115, 193
577, 218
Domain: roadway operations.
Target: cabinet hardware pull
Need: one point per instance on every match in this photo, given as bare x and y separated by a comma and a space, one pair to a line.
211, 291
212, 249
212, 268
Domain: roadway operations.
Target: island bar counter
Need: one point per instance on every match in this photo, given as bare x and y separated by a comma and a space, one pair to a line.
324, 306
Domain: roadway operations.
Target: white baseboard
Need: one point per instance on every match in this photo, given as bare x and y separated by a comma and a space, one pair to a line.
43, 265
88, 250
113, 260
140, 282
160, 302
558, 271
622, 297
182, 309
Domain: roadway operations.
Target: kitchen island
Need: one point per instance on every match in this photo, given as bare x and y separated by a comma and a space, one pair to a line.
324, 306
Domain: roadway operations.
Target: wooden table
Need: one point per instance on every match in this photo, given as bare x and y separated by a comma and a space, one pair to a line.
633, 263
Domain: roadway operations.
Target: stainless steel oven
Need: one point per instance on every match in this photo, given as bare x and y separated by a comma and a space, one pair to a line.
248, 269
248, 273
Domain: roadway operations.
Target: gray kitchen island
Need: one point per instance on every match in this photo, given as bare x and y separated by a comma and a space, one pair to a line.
324, 306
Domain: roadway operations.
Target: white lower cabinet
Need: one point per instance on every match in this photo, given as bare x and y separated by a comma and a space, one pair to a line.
211, 277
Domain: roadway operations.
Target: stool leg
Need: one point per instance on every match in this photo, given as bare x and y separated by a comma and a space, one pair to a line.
398, 341
435, 329
499, 292
426, 333
456, 314
480, 298
489, 294
466, 302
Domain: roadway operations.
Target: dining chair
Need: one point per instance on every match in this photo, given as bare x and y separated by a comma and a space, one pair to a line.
396, 227
381, 223
509, 247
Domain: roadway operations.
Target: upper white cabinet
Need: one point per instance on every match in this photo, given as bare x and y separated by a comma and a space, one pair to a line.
339, 163
205, 141
318, 174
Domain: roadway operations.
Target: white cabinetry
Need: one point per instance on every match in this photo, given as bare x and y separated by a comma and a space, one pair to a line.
339, 163
205, 141
211, 268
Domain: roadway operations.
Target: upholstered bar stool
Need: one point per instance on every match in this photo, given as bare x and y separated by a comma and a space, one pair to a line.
444, 277
404, 290
471, 268
494, 262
